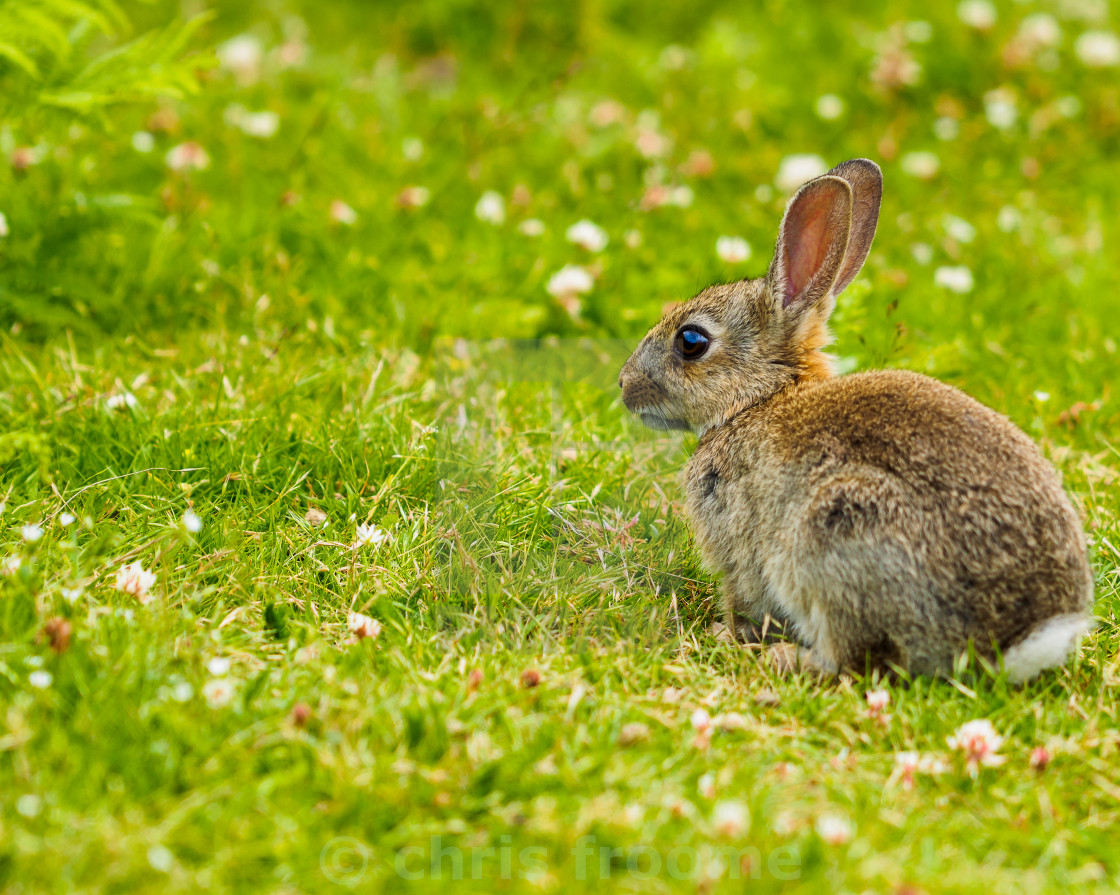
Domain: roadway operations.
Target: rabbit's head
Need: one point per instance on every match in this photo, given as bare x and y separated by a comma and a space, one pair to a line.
735, 345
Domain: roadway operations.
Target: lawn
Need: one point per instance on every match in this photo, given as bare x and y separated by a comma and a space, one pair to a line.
330, 558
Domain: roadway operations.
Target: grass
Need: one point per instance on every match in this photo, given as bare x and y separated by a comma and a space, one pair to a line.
545, 624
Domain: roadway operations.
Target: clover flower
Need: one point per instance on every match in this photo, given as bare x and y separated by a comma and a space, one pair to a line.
733, 249
569, 280
188, 155
491, 208
588, 235
136, 580
362, 626
980, 744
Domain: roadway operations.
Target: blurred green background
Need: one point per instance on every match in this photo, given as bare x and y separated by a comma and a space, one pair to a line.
997, 127
247, 253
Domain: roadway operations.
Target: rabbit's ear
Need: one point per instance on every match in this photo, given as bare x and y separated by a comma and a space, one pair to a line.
812, 242
866, 181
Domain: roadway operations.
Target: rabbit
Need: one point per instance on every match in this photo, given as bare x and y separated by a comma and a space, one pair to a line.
886, 519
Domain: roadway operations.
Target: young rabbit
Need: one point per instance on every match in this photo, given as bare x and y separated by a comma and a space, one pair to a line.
882, 517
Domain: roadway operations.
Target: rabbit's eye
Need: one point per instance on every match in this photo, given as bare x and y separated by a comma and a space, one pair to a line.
692, 343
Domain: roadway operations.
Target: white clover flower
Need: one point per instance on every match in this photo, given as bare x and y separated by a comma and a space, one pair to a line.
834, 829
219, 666
24, 157
946, 128
587, 235
955, 278
733, 249
143, 141
1000, 109
796, 169
191, 522
414, 197
71, 594
731, 819
233, 113
29, 804
923, 165
412, 148
182, 692
979, 742
1098, 49
370, 536
4, 231
1041, 30
40, 679
119, 401
607, 112
1068, 106
1041, 396
918, 31
680, 196
11, 565
341, 213
31, 532
908, 761
651, 144
262, 125
136, 580
706, 785
531, 227
491, 208
1008, 218
571, 279
188, 155
701, 720
906, 765
829, 107
242, 57
674, 57
958, 228
922, 252
978, 14
362, 626
160, 858
67, 519
292, 52
218, 692
878, 700
730, 721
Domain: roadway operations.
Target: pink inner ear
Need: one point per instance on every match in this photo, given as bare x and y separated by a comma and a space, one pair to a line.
806, 240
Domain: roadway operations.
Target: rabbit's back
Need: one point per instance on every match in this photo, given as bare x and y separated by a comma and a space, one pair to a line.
894, 505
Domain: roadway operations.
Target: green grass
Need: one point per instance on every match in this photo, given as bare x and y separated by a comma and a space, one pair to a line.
387, 373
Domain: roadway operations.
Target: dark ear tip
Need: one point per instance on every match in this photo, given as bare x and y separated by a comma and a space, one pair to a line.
862, 164
860, 172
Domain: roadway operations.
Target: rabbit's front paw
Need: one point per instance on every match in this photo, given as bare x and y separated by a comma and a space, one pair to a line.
784, 657
788, 659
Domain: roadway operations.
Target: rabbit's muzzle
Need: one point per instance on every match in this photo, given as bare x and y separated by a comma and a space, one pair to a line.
647, 400
639, 392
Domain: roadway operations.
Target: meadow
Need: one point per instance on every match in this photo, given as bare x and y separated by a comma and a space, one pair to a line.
329, 558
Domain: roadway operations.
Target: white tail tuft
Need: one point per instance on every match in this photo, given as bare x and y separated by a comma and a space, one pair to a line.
1047, 645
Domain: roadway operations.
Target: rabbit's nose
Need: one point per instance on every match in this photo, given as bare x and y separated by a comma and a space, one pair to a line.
621, 379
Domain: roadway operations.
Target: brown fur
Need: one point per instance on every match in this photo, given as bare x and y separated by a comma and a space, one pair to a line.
884, 517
